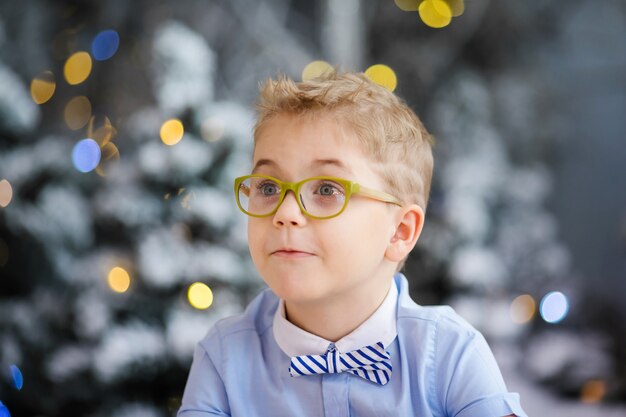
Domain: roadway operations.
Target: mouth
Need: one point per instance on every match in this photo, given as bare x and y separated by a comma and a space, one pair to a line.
292, 253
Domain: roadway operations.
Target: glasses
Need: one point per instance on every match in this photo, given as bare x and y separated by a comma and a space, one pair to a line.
318, 197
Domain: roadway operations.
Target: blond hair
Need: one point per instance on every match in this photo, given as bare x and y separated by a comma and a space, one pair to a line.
389, 132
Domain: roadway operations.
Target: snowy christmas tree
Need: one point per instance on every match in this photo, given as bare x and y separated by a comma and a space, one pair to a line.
132, 261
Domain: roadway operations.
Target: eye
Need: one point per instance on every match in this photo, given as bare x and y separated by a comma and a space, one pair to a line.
268, 188
329, 189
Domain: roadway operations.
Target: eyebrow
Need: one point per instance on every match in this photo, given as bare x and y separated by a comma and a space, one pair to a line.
315, 164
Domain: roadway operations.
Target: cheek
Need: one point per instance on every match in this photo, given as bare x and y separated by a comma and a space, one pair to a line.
365, 235
255, 243
339, 242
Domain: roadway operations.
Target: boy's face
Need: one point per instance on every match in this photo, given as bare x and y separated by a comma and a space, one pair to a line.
334, 259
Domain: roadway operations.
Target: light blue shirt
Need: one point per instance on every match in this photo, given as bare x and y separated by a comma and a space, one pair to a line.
442, 366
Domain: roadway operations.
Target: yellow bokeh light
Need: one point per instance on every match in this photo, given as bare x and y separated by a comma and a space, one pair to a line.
77, 112
200, 295
435, 13
77, 68
6, 193
102, 134
593, 391
523, 309
109, 155
382, 75
119, 279
172, 132
316, 69
457, 7
42, 87
408, 5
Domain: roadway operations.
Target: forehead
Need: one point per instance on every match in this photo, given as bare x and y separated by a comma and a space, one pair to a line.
291, 142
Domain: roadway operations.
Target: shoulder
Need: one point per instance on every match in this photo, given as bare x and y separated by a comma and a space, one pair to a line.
255, 320
454, 357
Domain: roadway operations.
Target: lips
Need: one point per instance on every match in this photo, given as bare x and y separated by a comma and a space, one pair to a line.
291, 252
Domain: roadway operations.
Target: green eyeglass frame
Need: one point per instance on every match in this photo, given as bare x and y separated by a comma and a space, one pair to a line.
350, 188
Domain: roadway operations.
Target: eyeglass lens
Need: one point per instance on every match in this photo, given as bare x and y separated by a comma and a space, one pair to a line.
319, 197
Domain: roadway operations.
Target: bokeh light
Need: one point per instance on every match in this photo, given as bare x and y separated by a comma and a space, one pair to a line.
554, 307
593, 391
16, 376
86, 155
109, 155
6, 193
42, 87
105, 45
316, 69
101, 130
200, 296
172, 132
4, 411
77, 112
408, 5
4, 253
523, 309
382, 75
77, 68
456, 6
212, 129
435, 13
118, 279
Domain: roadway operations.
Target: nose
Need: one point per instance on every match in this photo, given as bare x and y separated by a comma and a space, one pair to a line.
289, 212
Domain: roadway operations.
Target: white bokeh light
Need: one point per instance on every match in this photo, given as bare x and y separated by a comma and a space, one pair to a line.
554, 307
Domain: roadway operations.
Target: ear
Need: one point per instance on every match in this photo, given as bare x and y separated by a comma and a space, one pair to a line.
408, 227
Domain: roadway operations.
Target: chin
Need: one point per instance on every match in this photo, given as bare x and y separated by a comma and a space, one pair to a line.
294, 286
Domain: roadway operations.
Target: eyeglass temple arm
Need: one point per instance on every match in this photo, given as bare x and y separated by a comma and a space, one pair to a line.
244, 189
378, 195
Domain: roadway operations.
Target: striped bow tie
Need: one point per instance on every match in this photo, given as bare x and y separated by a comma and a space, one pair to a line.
370, 362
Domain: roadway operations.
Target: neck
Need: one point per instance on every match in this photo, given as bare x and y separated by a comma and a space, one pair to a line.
336, 318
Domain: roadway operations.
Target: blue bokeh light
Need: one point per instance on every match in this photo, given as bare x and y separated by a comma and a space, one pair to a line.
86, 155
105, 45
554, 307
4, 411
18, 379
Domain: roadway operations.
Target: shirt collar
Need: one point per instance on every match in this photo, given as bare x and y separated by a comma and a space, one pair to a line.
380, 326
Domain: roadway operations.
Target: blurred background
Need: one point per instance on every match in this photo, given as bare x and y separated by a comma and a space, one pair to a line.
123, 124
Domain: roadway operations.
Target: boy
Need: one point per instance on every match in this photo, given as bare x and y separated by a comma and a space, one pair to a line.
336, 201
